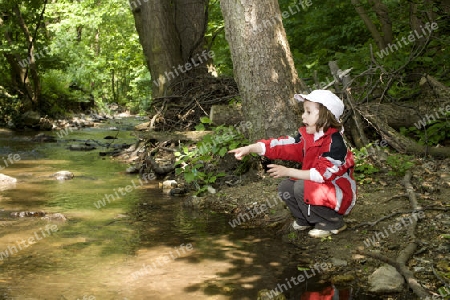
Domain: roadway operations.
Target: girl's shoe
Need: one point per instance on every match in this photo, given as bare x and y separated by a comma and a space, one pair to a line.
300, 227
320, 233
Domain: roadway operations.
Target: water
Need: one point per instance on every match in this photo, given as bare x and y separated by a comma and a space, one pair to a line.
141, 245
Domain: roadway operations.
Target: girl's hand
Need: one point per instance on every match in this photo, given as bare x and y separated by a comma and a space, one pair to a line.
277, 171
239, 153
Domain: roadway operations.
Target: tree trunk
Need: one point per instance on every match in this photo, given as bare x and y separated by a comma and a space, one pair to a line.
263, 66
172, 36
35, 96
385, 37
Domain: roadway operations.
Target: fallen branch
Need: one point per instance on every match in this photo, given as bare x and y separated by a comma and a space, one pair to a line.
400, 262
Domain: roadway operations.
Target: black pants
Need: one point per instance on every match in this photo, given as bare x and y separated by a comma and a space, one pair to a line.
320, 217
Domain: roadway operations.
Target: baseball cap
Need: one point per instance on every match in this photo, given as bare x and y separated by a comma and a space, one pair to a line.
332, 102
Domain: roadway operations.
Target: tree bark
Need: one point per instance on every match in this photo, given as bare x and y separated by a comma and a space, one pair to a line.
172, 36
263, 66
369, 24
32, 64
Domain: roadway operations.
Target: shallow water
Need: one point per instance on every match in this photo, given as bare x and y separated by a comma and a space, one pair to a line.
141, 245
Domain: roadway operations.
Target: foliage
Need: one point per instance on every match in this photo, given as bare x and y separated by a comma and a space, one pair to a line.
215, 38
199, 164
364, 168
436, 132
399, 164
10, 107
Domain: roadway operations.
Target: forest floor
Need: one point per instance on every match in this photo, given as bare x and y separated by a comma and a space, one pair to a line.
382, 200
379, 223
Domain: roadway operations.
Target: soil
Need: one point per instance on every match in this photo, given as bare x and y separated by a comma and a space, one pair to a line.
381, 196
379, 222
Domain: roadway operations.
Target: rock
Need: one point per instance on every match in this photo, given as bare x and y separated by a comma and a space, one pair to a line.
168, 185
23, 214
54, 217
179, 192
63, 175
386, 279
81, 147
43, 138
5, 179
132, 170
45, 124
31, 118
338, 262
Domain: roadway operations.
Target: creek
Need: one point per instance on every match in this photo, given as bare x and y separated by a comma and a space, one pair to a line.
141, 244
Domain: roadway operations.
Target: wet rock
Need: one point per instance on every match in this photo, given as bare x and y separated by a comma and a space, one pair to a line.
132, 170
23, 214
268, 295
178, 192
59, 217
43, 138
168, 185
81, 147
31, 118
45, 124
386, 279
63, 175
5, 179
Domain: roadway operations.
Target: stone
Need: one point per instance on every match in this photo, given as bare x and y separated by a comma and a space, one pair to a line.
63, 175
5, 179
31, 118
338, 262
386, 279
81, 147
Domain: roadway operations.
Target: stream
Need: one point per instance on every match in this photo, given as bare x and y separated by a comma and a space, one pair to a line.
123, 238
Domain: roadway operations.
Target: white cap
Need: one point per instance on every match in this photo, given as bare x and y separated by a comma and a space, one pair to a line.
327, 98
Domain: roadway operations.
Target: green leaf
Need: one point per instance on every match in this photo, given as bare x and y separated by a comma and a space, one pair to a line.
200, 127
223, 151
189, 177
205, 120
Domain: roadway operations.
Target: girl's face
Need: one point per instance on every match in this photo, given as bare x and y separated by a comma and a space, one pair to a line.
310, 116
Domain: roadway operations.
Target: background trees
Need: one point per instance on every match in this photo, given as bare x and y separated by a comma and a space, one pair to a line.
125, 52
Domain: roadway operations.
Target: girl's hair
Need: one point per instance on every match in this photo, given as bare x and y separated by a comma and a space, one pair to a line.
326, 119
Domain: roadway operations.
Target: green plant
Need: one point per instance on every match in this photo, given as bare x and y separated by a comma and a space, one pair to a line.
399, 164
435, 132
199, 164
364, 169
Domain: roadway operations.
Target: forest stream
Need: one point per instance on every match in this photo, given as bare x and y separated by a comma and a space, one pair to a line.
141, 244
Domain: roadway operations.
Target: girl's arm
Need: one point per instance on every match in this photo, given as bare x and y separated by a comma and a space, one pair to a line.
239, 153
277, 171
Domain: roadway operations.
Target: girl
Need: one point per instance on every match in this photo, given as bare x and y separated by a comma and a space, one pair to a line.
324, 190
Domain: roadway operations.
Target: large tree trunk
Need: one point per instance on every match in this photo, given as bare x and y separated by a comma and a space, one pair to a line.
172, 37
263, 66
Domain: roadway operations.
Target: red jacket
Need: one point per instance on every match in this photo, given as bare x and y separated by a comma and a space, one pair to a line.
330, 157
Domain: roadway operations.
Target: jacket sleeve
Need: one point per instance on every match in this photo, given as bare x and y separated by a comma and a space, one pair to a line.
336, 161
285, 148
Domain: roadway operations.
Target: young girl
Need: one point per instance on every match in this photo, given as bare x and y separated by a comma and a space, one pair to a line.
324, 190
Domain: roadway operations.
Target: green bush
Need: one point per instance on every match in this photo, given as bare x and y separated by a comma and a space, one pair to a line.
199, 164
